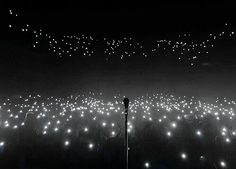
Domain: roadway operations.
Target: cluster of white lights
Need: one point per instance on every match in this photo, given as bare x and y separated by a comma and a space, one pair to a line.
164, 110
185, 48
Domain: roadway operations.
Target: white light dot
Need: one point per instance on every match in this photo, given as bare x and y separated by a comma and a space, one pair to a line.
183, 156
227, 140
168, 134
91, 146
85, 129
199, 133
2, 143
174, 125
222, 164
67, 143
146, 164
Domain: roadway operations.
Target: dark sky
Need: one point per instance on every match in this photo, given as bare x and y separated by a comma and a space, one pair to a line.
24, 69
121, 17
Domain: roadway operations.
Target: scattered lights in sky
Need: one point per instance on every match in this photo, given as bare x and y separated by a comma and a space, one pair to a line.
184, 48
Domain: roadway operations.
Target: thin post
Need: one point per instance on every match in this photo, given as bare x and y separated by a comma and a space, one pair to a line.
126, 104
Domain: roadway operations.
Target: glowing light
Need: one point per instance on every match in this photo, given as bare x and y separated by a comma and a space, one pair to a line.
113, 133
227, 140
104, 124
146, 164
174, 125
2, 144
199, 133
55, 129
223, 164
169, 134
68, 130
85, 129
66, 143
183, 156
91, 146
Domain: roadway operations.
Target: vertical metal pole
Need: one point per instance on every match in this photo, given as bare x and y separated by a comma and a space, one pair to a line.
126, 139
126, 104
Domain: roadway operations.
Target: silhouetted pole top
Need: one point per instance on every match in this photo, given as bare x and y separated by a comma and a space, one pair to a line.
126, 103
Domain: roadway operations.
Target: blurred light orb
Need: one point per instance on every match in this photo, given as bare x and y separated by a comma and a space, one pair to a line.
91, 146
66, 143
183, 156
2, 144
199, 133
146, 164
222, 164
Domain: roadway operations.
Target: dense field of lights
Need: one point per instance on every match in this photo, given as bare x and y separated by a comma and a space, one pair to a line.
165, 131
114, 84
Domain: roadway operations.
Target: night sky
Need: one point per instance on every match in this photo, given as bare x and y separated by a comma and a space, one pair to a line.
27, 57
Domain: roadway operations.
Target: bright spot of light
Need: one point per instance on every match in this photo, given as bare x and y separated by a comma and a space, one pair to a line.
222, 164
199, 133
68, 130
85, 129
113, 133
104, 124
147, 165
91, 146
183, 156
2, 143
227, 140
173, 125
169, 134
66, 143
